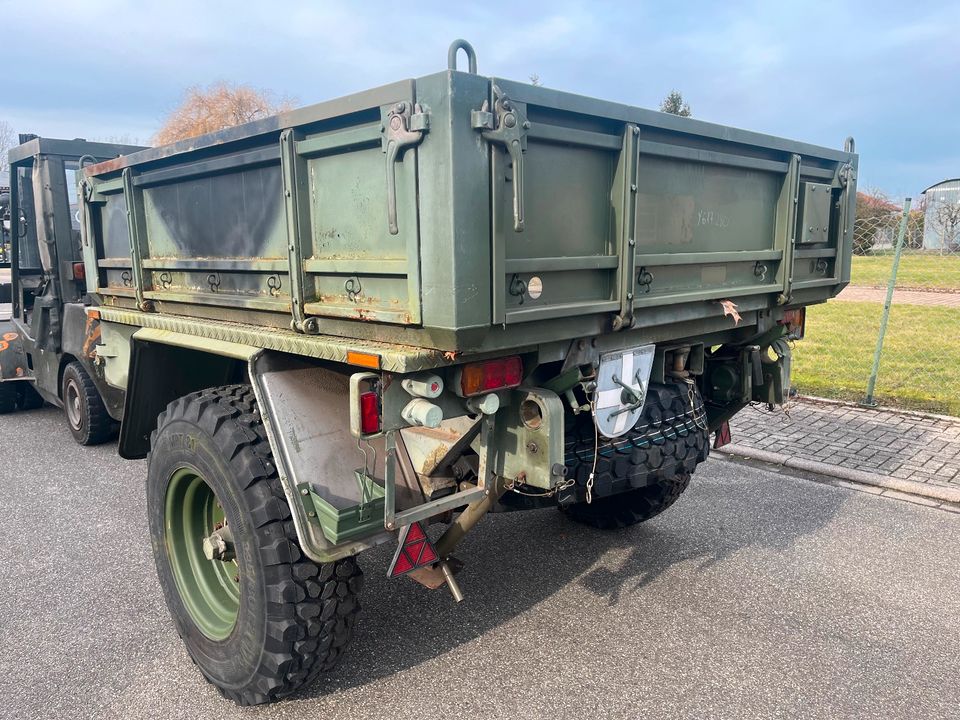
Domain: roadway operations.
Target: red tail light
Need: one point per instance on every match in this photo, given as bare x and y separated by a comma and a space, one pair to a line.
369, 413
79, 272
490, 375
796, 321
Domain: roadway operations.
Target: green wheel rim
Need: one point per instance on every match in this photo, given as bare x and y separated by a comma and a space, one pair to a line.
210, 589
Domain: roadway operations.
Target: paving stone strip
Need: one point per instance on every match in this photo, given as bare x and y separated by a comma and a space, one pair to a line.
884, 442
903, 297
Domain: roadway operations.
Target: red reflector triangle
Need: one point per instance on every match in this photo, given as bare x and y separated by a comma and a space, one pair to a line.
402, 565
722, 436
415, 533
428, 555
414, 550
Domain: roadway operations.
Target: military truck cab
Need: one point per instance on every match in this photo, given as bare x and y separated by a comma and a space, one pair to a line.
46, 344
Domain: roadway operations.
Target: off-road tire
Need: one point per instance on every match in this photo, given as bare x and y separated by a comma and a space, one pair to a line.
295, 617
28, 398
8, 397
631, 507
642, 473
87, 416
18, 395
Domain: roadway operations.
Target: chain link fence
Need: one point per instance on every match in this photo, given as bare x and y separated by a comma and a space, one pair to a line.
893, 336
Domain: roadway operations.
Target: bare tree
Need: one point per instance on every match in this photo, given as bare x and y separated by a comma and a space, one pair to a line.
8, 139
218, 106
876, 220
535, 80
674, 104
946, 213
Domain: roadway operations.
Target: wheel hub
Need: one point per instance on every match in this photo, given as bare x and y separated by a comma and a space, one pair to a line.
200, 546
219, 545
73, 407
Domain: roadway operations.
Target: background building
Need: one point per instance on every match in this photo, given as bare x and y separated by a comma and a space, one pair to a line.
941, 221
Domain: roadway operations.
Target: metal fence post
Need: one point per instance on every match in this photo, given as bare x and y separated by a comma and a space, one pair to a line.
872, 382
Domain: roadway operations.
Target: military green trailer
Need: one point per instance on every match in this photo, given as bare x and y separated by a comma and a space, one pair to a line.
376, 319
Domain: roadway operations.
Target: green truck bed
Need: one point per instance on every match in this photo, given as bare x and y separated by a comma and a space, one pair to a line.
457, 212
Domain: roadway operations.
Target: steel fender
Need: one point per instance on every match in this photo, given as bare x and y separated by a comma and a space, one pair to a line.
305, 408
166, 365
13, 357
81, 332
81, 337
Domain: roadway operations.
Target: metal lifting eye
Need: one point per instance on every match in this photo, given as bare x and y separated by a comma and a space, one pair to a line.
353, 288
274, 284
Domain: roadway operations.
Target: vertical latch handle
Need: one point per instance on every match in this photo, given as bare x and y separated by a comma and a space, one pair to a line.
506, 126
402, 130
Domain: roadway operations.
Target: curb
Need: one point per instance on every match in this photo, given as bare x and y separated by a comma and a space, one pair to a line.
937, 493
892, 409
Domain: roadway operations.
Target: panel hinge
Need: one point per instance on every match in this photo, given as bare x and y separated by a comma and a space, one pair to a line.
506, 126
402, 129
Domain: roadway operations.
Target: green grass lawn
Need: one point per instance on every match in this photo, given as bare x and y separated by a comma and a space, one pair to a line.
935, 272
920, 367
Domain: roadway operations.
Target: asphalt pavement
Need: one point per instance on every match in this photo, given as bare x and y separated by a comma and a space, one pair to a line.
759, 595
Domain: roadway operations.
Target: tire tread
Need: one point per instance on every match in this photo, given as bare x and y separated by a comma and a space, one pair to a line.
303, 637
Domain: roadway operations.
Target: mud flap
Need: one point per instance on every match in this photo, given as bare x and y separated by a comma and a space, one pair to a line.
337, 511
13, 356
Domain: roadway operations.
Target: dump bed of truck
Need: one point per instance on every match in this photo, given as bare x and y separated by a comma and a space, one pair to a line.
459, 212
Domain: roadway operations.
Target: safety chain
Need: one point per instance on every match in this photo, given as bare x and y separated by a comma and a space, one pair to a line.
512, 486
596, 451
699, 418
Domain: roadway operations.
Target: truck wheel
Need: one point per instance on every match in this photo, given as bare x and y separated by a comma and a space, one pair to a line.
8, 397
257, 616
632, 507
642, 473
28, 398
87, 416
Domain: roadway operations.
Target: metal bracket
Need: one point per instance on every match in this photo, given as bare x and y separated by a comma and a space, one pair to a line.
845, 179
486, 482
136, 229
625, 207
294, 170
506, 126
785, 228
403, 129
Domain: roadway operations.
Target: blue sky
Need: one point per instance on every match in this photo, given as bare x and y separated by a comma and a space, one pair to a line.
885, 72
